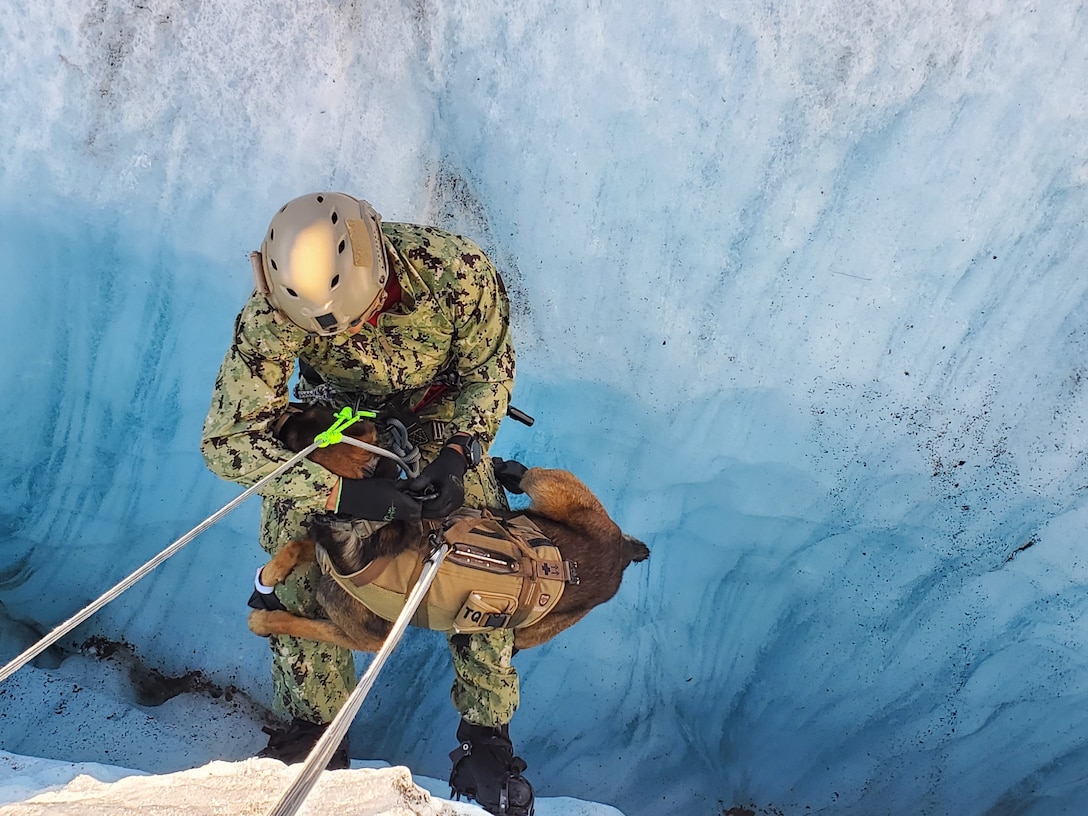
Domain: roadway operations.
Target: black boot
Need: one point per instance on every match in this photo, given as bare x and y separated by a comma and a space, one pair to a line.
293, 744
485, 769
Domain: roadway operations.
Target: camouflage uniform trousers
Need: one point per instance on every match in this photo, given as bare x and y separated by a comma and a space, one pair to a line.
312, 680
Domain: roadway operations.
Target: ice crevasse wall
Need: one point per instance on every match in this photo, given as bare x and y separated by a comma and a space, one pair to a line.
799, 291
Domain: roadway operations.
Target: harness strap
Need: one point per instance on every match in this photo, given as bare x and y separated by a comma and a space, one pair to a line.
525, 604
361, 578
312, 387
420, 617
482, 523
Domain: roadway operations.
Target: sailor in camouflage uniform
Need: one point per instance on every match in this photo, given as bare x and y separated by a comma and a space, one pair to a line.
377, 314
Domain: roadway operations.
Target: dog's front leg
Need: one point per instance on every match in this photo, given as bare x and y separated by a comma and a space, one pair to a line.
292, 554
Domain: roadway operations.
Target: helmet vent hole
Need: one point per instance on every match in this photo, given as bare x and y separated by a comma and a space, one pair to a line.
320, 199
334, 217
334, 282
291, 292
342, 247
272, 234
273, 262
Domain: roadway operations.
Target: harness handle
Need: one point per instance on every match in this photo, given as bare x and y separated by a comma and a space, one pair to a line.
516, 531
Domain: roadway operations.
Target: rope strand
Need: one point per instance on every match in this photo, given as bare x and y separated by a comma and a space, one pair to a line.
322, 752
78, 618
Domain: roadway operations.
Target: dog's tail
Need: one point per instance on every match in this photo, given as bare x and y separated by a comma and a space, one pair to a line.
634, 549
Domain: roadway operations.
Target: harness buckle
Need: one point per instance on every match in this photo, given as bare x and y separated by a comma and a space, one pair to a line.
572, 568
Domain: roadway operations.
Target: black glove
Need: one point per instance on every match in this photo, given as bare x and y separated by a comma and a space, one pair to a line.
265, 600
509, 473
377, 500
441, 485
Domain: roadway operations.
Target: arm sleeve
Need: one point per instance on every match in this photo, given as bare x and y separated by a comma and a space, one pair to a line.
250, 393
483, 354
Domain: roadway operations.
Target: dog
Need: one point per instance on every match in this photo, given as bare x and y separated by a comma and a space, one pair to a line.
561, 507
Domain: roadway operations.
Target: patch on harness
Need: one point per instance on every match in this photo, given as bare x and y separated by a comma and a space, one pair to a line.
487, 610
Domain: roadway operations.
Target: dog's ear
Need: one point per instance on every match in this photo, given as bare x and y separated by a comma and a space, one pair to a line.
635, 549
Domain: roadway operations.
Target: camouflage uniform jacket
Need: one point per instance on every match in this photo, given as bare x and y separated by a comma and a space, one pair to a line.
453, 315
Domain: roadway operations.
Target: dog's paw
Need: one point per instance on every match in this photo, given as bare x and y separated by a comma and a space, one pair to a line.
285, 560
260, 622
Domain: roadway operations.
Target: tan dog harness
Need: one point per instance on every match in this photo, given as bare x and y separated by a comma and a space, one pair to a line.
499, 574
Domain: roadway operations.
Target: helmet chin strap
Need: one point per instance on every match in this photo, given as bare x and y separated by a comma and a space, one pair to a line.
259, 279
374, 310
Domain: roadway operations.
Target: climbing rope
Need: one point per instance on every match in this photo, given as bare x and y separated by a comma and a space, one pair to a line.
334, 434
410, 464
322, 752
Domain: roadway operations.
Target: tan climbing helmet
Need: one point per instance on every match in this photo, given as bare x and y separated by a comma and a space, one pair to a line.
322, 263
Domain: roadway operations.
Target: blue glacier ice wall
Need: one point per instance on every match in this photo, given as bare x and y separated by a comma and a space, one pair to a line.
800, 291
